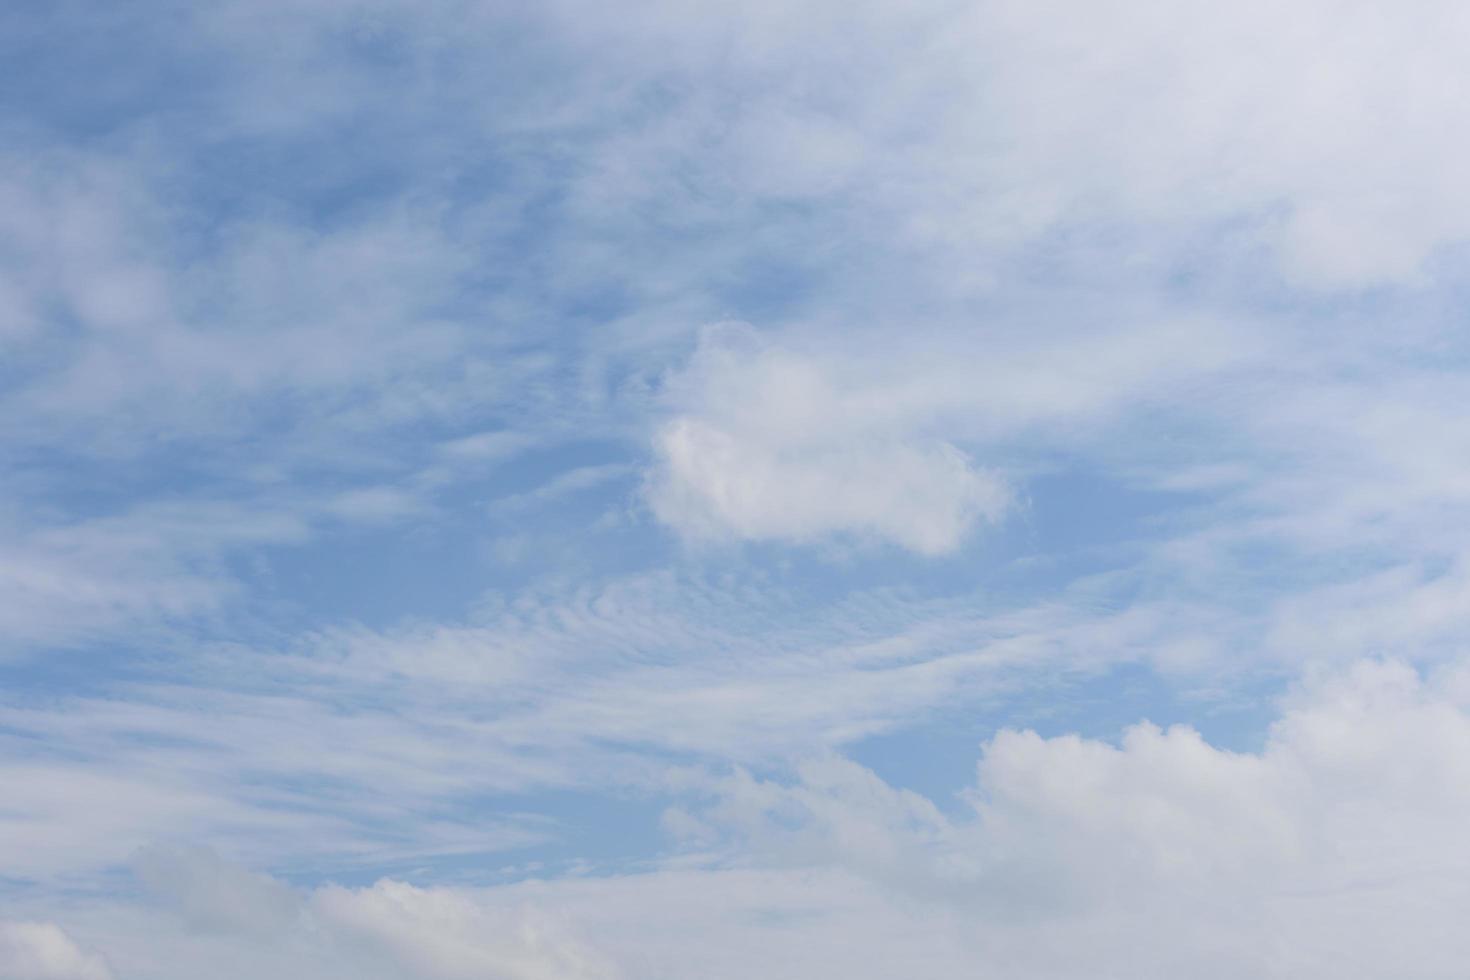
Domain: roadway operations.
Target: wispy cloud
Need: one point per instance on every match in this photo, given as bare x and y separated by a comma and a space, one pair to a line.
441, 439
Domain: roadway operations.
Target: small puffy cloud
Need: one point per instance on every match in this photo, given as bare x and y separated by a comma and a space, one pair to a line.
827, 434
923, 497
43, 951
775, 448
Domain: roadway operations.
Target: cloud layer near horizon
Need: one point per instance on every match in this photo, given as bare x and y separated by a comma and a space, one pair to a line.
1334, 851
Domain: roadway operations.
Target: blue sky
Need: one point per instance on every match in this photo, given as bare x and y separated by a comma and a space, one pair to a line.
561, 490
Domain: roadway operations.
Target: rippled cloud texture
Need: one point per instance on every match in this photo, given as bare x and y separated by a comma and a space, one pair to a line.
562, 491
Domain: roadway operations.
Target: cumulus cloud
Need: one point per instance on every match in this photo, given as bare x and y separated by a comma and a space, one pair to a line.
1163, 854
447, 935
43, 951
236, 923
781, 449
923, 497
823, 432
1334, 850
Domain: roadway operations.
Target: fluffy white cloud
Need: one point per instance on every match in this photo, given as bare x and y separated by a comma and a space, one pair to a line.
837, 434
43, 951
1336, 850
776, 444
210, 915
447, 935
924, 497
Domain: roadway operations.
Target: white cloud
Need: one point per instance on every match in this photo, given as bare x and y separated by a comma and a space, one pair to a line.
446, 935
43, 951
860, 434
923, 497
159, 348
776, 445
568, 687
66, 583
215, 895
1336, 850
968, 133
1163, 855
434, 934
